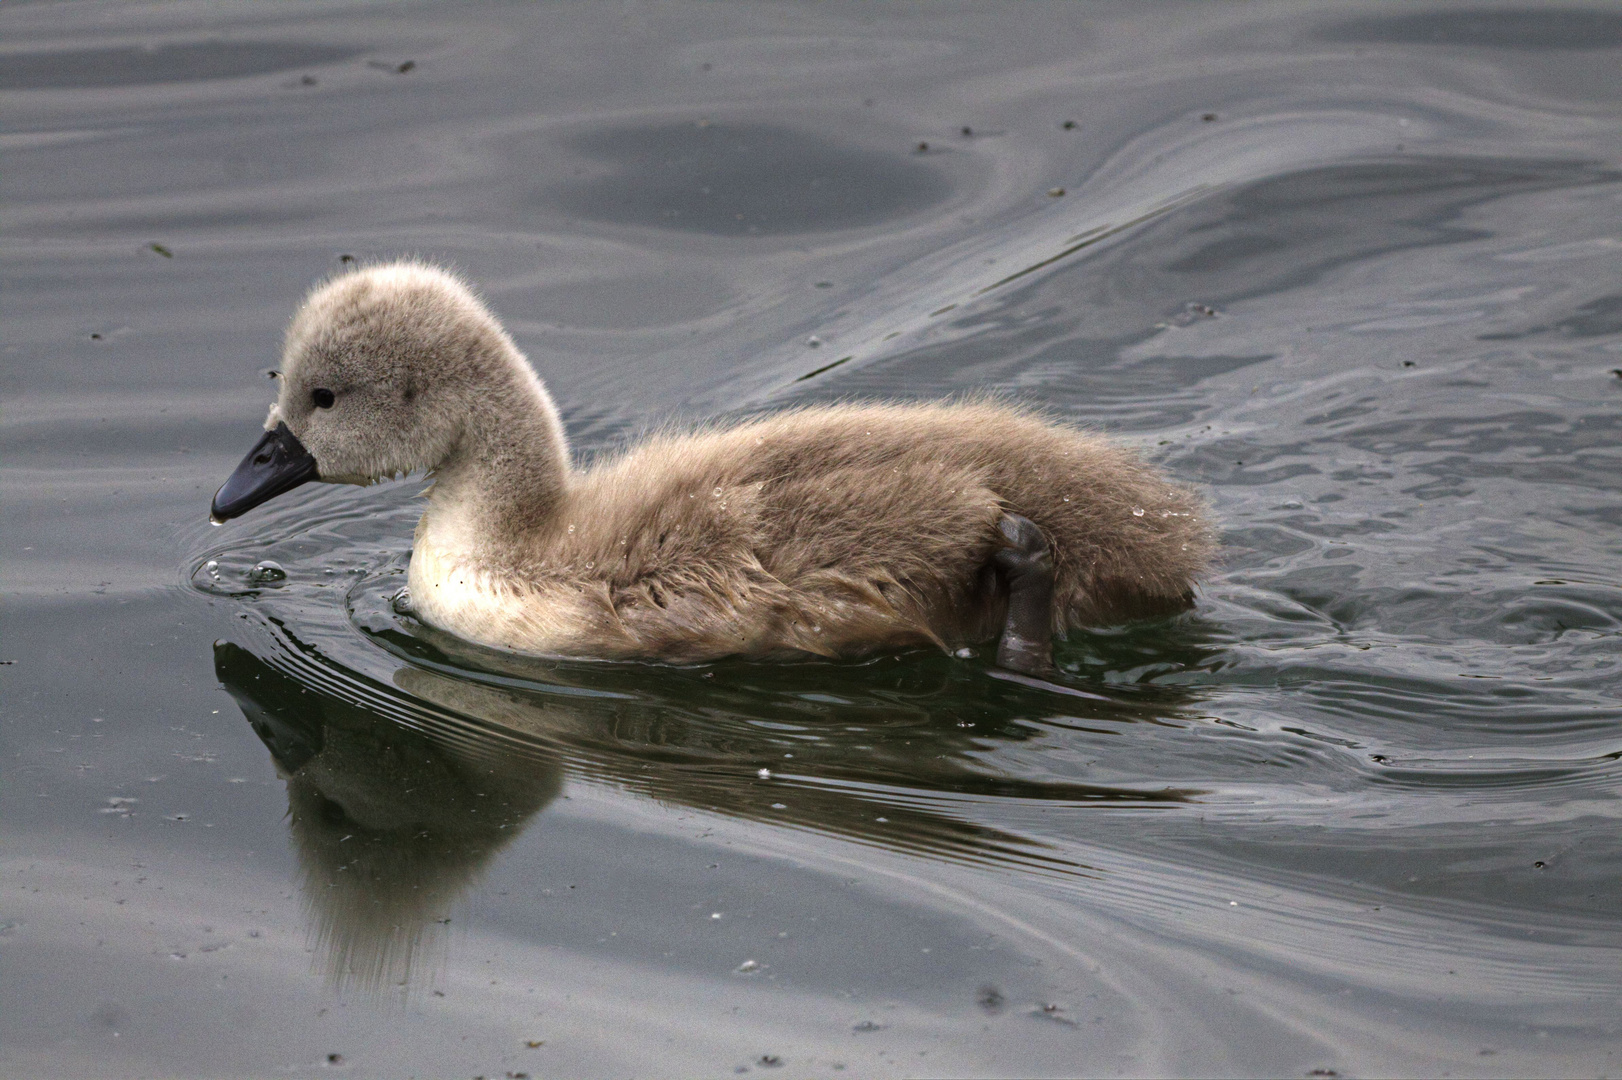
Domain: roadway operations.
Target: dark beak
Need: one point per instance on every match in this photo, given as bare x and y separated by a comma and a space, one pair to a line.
277, 463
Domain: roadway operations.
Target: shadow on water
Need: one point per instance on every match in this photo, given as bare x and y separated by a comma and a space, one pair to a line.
405, 779
1072, 330
132, 65
737, 179
1493, 28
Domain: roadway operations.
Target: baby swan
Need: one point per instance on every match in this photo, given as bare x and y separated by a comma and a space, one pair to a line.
835, 530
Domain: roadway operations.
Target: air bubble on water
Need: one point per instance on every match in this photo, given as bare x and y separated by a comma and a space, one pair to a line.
764, 774
571, 528
716, 493
266, 572
964, 653
1067, 498
1137, 511
213, 568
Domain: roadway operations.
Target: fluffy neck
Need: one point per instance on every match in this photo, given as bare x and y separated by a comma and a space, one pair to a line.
505, 477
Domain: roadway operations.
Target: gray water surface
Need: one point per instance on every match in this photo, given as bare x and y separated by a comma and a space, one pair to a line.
1352, 268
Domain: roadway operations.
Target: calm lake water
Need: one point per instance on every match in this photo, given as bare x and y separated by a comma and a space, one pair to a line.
1352, 268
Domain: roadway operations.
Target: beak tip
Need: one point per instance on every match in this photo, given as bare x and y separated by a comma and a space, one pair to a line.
277, 464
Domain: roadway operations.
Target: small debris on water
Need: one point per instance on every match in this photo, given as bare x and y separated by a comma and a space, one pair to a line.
1069, 125
748, 967
921, 148
867, 1025
968, 132
1191, 314
533, 1043
990, 999
335, 1059
267, 572
1208, 117
161, 250
813, 342
1056, 193
771, 1061
1409, 363
1055, 1013
764, 774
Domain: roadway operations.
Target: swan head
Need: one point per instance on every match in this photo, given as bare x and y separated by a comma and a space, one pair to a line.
381, 370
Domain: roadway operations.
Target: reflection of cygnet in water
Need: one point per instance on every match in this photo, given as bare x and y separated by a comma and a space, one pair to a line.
833, 530
391, 827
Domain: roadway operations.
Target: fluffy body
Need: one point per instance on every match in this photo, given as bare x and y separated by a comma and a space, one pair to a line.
833, 530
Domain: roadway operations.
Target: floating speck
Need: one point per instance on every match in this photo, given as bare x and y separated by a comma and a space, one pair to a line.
747, 967
1056, 193
764, 774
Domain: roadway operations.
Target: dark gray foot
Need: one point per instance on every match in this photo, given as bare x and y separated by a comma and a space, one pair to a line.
1026, 567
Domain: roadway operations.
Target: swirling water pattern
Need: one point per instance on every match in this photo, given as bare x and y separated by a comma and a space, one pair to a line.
1353, 270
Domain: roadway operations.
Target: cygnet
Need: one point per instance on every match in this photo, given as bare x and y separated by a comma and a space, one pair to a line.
833, 530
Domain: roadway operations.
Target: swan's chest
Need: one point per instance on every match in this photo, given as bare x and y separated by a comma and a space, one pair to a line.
454, 589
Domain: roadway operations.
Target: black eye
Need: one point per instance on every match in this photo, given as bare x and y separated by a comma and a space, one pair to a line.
322, 397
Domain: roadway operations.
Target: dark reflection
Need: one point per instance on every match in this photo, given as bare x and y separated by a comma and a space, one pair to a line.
1597, 318
391, 824
130, 65
742, 180
1498, 28
402, 786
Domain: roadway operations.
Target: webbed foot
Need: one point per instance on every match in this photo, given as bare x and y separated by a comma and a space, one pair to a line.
1026, 567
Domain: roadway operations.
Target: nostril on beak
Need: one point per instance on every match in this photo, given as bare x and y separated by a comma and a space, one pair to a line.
262, 459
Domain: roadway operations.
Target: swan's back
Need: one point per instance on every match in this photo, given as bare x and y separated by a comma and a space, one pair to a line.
850, 527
